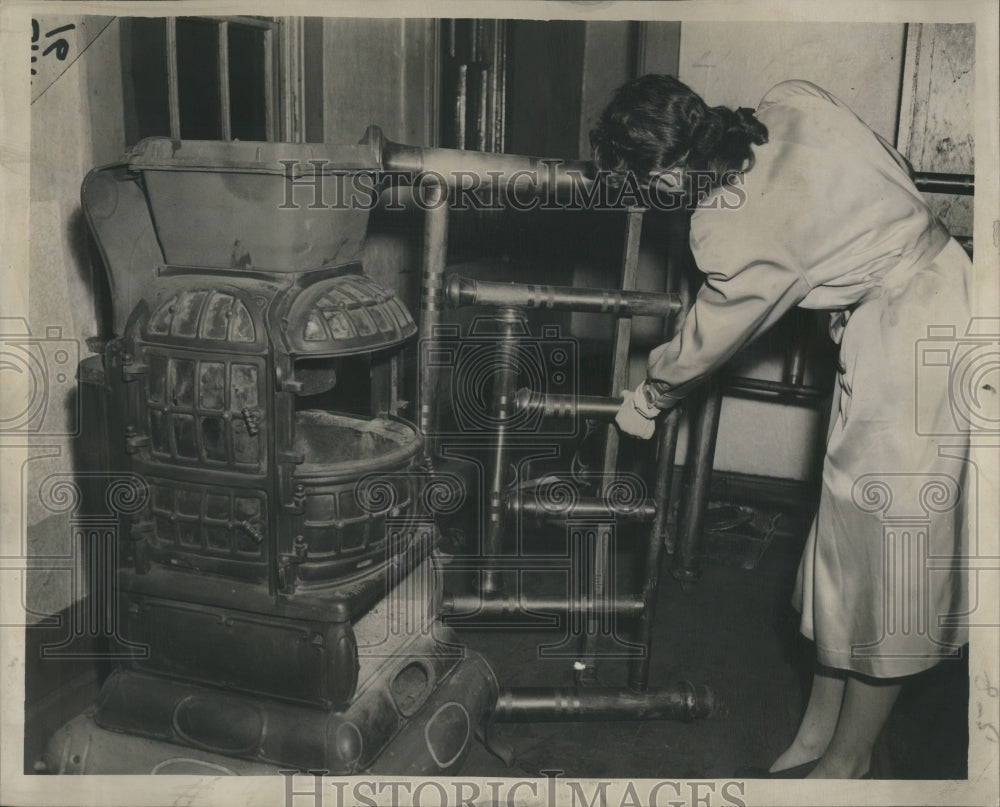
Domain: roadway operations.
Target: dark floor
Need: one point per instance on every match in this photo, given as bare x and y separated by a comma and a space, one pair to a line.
733, 630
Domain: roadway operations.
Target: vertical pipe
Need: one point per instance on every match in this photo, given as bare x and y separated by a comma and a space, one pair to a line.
431, 306
705, 432
395, 379
683, 276
173, 80
500, 69
586, 670
795, 366
482, 109
797, 354
638, 670
270, 99
511, 322
292, 93
225, 116
461, 95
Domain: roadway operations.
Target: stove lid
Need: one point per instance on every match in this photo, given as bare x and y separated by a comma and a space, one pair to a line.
286, 160
271, 207
350, 313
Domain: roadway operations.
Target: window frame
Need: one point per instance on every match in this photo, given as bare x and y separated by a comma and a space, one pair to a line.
283, 74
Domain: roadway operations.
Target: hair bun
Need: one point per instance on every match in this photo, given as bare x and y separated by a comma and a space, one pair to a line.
747, 121
721, 141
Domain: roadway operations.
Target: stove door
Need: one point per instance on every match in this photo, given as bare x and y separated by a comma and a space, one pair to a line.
201, 440
205, 411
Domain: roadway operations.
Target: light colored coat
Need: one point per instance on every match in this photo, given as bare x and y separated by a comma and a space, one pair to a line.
828, 218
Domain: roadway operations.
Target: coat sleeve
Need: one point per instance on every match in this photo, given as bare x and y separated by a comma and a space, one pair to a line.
747, 289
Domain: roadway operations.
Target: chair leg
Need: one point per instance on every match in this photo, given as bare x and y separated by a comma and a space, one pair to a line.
703, 438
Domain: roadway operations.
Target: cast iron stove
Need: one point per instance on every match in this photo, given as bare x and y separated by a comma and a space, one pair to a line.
275, 590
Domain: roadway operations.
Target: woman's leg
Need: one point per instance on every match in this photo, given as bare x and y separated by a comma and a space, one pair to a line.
818, 723
866, 708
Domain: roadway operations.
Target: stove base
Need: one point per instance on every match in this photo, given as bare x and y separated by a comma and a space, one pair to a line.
83, 747
417, 716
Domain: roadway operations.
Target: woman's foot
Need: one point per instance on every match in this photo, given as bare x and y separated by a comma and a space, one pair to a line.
798, 753
867, 704
818, 723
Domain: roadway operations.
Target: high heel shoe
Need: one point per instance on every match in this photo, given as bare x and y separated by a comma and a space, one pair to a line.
795, 772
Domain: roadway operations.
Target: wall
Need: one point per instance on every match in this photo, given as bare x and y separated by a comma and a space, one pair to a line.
383, 72
937, 112
379, 71
735, 64
76, 124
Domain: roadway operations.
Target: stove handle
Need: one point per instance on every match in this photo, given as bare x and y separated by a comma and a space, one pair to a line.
251, 527
251, 417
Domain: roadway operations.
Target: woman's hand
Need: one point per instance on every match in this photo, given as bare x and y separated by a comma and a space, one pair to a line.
636, 416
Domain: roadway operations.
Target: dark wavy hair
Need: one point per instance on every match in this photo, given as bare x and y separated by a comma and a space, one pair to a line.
655, 122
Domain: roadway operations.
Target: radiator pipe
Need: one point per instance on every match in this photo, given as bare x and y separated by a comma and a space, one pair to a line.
930, 182
466, 291
525, 174
473, 606
598, 407
536, 174
584, 507
683, 701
